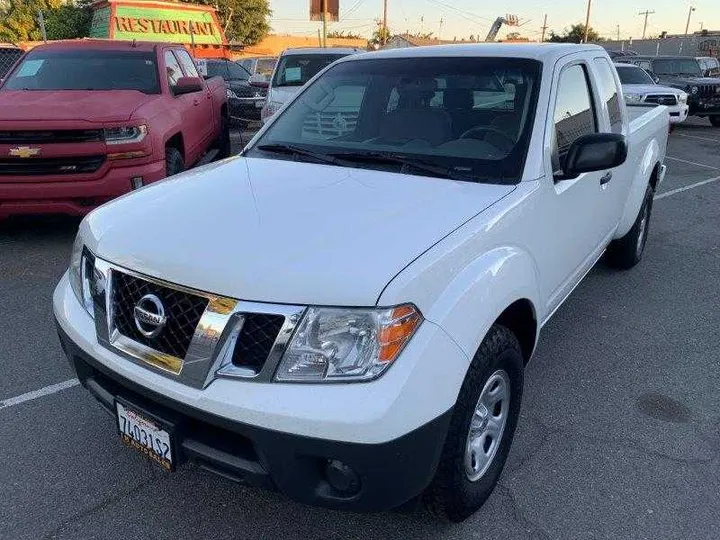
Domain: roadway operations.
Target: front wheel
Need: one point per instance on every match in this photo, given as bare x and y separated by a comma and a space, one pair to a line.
174, 162
626, 252
715, 121
481, 429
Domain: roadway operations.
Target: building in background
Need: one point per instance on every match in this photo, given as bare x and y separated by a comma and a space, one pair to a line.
705, 43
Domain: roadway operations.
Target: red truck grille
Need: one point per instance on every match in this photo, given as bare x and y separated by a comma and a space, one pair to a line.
51, 136
50, 166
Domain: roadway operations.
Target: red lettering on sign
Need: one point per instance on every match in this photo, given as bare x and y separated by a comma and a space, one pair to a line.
183, 27
173, 27
164, 27
134, 25
156, 26
144, 25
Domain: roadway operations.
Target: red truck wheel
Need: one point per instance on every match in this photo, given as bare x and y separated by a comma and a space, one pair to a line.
174, 162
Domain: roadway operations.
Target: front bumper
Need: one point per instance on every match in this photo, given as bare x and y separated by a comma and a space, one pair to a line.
705, 107
678, 113
72, 197
383, 476
246, 108
390, 431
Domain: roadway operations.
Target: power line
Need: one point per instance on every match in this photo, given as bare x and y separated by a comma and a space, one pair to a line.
466, 14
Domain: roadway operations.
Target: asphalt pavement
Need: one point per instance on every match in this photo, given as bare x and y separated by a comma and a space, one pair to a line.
619, 436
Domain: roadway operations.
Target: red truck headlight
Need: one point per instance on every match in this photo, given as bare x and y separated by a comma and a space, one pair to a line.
125, 134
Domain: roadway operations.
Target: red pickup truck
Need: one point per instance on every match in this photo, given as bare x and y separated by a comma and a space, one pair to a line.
82, 122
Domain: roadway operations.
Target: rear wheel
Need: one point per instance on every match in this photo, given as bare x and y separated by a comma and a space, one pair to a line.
627, 251
481, 430
715, 121
174, 162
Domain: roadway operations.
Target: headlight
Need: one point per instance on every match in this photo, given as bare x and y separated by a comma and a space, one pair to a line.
231, 94
694, 90
682, 98
80, 268
633, 98
340, 345
125, 134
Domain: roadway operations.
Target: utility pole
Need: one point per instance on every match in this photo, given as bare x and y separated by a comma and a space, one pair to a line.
544, 29
618, 32
587, 22
384, 23
440, 31
646, 13
324, 20
687, 26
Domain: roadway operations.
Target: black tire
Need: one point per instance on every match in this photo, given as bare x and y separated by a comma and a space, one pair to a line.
626, 252
452, 495
715, 121
174, 162
224, 143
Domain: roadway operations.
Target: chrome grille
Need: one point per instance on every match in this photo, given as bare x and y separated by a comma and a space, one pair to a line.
256, 339
183, 310
662, 99
708, 90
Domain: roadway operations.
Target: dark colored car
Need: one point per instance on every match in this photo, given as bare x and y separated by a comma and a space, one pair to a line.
9, 54
245, 101
686, 73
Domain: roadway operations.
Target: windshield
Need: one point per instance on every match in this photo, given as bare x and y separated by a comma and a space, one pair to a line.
8, 57
229, 71
265, 66
634, 75
297, 69
468, 117
677, 66
86, 70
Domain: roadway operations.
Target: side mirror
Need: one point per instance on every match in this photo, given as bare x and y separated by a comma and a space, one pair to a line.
259, 81
596, 152
188, 85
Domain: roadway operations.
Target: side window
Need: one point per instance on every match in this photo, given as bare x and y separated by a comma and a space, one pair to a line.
187, 63
609, 93
645, 64
574, 112
172, 68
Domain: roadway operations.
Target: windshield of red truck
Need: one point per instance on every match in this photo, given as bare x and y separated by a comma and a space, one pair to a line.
86, 70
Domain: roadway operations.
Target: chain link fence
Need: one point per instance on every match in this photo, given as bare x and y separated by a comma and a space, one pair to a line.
692, 45
8, 56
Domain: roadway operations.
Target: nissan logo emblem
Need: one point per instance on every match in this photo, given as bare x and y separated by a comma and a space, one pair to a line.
150, 316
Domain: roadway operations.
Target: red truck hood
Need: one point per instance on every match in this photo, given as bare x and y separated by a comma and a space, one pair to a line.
95, 106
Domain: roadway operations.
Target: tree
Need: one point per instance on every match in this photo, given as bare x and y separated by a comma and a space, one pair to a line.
19, 19
513, 35
244, 21
380, 36
576, 34
69, 21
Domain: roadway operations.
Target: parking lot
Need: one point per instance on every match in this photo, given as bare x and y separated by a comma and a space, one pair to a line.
619, 436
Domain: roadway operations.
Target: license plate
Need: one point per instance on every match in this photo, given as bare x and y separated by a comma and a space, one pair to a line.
145, 435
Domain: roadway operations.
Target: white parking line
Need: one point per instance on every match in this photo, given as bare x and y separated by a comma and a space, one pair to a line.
693, 163
698, 138
686, 188
46, 391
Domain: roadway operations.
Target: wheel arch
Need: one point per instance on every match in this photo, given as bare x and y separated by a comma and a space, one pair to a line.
176, 141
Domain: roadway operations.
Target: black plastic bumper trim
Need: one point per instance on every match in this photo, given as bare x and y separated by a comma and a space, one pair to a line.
390, 473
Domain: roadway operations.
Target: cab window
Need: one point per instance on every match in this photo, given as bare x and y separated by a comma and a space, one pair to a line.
609, 93
172, 69
574, 112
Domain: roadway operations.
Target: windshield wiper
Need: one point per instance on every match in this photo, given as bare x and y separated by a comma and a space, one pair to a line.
400, 159
292, 150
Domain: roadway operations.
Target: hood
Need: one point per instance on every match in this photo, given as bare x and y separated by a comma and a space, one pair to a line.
649, 89
71, 105
283, 94
682, 82
281, 231
245, 90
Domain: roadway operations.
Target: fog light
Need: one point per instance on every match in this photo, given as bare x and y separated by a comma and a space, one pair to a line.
342, 478
137, 182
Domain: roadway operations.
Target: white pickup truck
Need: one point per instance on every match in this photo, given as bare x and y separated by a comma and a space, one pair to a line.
344, 312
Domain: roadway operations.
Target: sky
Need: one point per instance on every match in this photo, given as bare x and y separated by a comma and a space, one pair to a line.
462, 18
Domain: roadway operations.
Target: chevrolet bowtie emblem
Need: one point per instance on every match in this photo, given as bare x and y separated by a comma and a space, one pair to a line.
24, 152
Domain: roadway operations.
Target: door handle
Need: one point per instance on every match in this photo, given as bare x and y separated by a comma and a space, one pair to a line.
196, 102
606, 178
